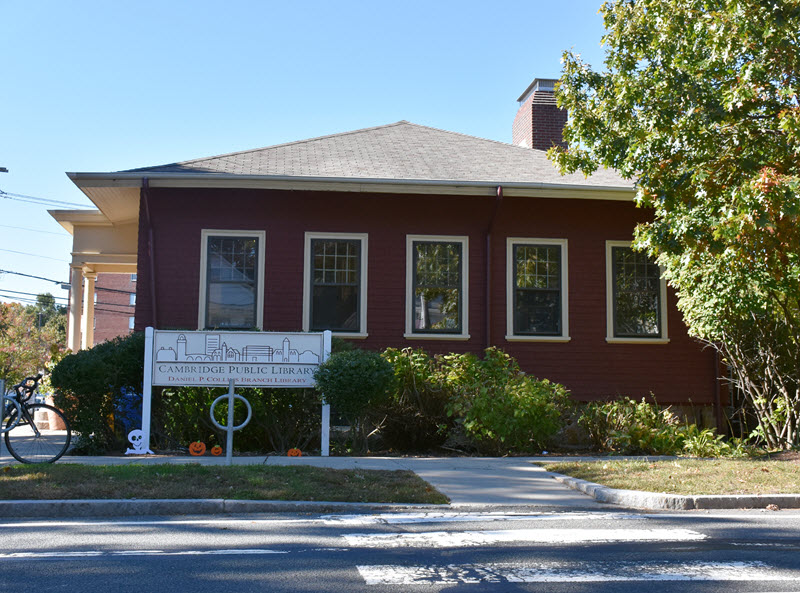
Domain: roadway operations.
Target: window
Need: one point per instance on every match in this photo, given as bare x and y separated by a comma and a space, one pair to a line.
131, 321
133, 300
335, 286
231, 280
636, 296
133, 277
537, 294
436, 294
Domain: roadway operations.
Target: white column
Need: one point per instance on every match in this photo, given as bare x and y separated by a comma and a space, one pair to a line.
75, 306
87, 333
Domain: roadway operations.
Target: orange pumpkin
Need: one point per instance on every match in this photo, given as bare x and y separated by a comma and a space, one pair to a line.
197, 448
216, 450
294, 453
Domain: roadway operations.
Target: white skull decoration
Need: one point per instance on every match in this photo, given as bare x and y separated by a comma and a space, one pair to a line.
136, 438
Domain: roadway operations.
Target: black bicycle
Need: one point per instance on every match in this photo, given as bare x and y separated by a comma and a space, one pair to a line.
34, 432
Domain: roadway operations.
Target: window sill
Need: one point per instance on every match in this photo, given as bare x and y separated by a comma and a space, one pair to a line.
460, 337
352, 336
555, 339
637, 340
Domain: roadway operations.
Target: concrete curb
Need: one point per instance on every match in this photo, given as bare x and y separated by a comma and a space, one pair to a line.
676, 502
88, 508
203, 506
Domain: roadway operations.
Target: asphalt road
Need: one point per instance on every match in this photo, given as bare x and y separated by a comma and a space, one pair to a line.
443, 551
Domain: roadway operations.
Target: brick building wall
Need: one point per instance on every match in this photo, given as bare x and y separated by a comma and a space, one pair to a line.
539, 122
114, 307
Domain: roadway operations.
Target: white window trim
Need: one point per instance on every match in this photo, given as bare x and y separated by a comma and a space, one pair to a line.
510, 336
132, 300
262, 239
464, 240
663, 338
363, 238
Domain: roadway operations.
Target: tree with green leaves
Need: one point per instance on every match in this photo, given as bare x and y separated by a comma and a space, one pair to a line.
30, 337
698, 103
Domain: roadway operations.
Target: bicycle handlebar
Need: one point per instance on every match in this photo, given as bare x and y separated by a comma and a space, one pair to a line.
24, 390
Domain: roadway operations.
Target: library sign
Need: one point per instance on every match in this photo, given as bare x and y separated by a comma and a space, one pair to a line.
251, 359
243, 359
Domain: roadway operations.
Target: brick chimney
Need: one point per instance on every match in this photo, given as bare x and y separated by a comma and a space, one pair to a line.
539, 122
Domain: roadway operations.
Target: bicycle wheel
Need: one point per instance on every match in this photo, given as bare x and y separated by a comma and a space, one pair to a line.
42, 435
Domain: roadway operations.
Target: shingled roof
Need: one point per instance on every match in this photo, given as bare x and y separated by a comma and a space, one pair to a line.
401, 151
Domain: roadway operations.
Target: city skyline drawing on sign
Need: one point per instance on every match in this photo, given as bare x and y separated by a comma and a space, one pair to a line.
230, 347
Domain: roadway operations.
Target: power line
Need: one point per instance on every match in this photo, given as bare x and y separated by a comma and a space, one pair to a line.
36, 294
20, 228
21, 300
63, 261
30, 276
59, 282
40, 201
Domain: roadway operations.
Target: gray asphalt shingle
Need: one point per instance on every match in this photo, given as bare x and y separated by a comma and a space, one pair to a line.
400, 151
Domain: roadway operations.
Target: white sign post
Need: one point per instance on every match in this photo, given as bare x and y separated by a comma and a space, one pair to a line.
246, 359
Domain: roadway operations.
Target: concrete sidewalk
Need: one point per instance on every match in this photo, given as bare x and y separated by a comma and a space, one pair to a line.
471, 483
466, 481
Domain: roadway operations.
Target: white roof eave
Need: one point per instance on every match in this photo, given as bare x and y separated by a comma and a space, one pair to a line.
426, 186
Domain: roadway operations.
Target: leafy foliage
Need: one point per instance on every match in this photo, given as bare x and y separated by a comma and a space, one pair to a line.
500, 407
351, 382
699, 104
282, 419
88, 384
30, 337
631, 427
644, 428
415, 415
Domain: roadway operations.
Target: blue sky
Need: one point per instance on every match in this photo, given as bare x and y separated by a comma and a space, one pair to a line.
107, 86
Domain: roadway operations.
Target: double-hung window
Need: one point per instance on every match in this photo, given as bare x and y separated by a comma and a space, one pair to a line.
231, 280
436, 287
636, 296
536, 289
335, 286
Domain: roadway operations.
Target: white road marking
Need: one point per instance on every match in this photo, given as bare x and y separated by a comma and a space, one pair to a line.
444, 539
401, 518
443, 517
166, 522
110, 553
374, 519
553, 572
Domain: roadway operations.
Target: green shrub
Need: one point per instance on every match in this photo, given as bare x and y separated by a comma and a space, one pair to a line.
352, 382
282, 419
415, 416
630, 427
500, 408
89, 383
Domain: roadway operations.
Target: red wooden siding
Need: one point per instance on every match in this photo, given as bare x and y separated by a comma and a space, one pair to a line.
677, 372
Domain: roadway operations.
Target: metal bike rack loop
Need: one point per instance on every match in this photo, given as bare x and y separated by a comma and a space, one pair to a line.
230, 428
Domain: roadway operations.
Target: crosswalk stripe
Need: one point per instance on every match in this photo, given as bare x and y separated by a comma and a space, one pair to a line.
447, 517
109, 553
446, 539
573, 573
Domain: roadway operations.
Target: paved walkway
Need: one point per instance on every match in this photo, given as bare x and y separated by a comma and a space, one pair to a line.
467, 481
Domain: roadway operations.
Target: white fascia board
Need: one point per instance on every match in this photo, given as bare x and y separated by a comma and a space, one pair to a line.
69, 219
348, 184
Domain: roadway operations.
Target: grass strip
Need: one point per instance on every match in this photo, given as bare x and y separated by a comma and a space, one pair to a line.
689, 476
75, 481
